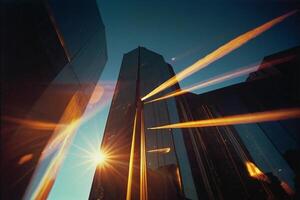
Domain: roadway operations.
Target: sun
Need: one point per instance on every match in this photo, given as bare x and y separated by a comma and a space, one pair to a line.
100, 158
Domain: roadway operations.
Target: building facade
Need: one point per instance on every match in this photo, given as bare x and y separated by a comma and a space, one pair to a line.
221, 156
53, 53
247, 161
159, 169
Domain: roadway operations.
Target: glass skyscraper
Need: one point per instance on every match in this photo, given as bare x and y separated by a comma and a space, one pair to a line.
168, 174
224, 157
246, 161
53, 55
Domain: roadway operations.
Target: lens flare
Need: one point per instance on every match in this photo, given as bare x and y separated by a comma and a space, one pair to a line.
130, 172
91, 156
61, 139
255, 172
238, 119
223, 77
218, 53
32, 124
97, 94
24, 159
162, 150
143, 162
100, 158
48, 178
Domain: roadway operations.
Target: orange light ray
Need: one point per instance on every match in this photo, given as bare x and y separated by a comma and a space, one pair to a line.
218, 53
61, 141
66, 133
143, 162
129, 182
45, 184
33, 124
238, 119
221, 78
255, 172
24, 159
55, 141
162, 150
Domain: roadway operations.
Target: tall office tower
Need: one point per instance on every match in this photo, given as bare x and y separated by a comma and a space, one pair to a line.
52, 55
248, 161
142, 162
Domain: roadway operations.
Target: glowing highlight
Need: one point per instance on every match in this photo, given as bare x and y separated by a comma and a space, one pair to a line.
61, 139
100, 158
162, 150
218, 53
238, 119
255, 172
222, 78
33, 124
129, 182
45, 185
24, 159
143, 163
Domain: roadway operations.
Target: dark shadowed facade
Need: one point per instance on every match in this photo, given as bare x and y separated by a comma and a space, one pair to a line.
219, 155
168, 171
247, 161
52, 55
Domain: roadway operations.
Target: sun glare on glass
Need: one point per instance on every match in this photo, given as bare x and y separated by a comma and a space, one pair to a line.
100, 158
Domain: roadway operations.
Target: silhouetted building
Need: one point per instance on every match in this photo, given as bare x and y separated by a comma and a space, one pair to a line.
168, 174
52, 55
220, 156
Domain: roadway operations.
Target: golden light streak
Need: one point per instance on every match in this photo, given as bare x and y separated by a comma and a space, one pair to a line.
162, 150
255, 172
25, 159
218, 53
178, 178
90, 112
238, 119
61, 140
223, 77
60, 137
129, 182
33, 124
143, 163
48, 178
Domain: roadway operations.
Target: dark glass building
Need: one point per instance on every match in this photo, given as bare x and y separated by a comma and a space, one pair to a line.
246, 161
165, 163
221, 157
52, 55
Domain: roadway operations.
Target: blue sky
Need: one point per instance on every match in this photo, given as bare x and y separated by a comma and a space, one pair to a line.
186, 30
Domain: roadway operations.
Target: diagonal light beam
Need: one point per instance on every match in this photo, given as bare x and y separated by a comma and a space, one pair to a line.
131, 159
143, 162
224, 77
238, 119
218, 53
